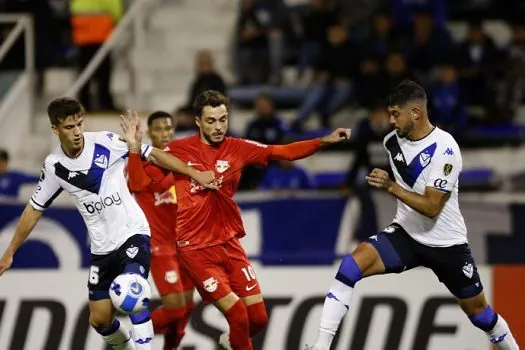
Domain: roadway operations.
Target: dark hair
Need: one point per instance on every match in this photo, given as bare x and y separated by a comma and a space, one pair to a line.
407, 91
63, 107
212, 98
158, 115
265, 96
4, 155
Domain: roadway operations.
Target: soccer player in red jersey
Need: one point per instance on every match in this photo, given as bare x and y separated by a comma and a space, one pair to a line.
209, 223
155, 193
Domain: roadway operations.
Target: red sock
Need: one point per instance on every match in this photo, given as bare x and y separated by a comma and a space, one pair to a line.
163, 317
237, 318
181, 325
258, 318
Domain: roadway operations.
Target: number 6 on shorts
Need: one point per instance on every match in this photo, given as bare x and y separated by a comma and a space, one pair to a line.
93, 274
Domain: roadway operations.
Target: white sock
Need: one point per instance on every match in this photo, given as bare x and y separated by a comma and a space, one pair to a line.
143, 335
501, 336
120, 339
336, 305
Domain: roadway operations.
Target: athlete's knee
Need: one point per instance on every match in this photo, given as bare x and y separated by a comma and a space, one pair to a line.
174, 300
99, 320
258, 318
349, 272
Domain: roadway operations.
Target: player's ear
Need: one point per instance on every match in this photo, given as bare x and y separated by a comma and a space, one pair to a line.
198, 121
55, 129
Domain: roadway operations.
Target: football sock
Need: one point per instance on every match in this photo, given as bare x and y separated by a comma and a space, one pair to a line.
142, 330
164, 318
117, 336
337, 301
237, 317
258, 318
496, 329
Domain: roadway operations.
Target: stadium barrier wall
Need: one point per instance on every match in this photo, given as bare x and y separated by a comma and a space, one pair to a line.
43, 299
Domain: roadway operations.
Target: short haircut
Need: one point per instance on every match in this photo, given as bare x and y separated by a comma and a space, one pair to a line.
63, 107
405, 92
4, 156
158, 115
212, 98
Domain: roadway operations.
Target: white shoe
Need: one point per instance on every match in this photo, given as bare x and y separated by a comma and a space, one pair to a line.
224, 341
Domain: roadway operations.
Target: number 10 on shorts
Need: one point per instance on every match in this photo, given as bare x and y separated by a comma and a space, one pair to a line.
249, 273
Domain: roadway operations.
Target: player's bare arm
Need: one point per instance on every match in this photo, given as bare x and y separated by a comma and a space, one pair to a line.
133, 135
429, 204
27, 222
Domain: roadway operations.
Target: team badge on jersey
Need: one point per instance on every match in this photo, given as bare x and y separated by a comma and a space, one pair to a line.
447, 169
222, 165
424, 159
171, 277
210, 285
101, 161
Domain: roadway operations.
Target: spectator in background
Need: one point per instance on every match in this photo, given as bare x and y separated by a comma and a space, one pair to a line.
92, 23
332, 87
206, 77
252, 43
266, 127
11, 181
370, 81
396, 70
447, 108
431, 44
511, 92
185, 122
477, 61
286, 176
368, 154
383, 36
315, 21
405, 10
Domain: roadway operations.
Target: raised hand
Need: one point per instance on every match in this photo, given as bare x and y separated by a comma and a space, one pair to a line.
131, 126
338, 135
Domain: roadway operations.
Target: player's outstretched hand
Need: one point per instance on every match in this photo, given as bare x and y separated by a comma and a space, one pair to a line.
130, 124
338, 135
206, 179
5, 263
379, 179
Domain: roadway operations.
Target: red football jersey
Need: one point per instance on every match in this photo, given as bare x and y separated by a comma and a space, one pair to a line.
206, 217
159, 203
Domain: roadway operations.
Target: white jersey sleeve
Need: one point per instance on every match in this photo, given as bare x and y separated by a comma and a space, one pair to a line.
119, 147
445, 168
47, 188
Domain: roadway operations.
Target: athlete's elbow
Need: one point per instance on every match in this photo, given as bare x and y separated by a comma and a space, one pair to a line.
432, 211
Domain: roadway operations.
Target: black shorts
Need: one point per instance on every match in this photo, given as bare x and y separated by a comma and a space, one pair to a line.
132, 256
454, 266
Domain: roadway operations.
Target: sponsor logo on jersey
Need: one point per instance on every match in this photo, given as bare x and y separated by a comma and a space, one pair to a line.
98, 206
210, 285
166, 197
449, 152
71, 175
196, 187
221, 166
447, 169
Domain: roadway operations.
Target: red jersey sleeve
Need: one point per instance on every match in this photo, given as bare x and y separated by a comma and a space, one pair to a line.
141, 175
253, 152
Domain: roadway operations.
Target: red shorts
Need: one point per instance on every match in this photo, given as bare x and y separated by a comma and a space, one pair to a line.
216, 271
168, 275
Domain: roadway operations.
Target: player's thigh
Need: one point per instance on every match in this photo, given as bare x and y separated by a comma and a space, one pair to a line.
165, 270
135, 255
102, 271
243, 279
389, 251
206, 269
455, 267
101, 313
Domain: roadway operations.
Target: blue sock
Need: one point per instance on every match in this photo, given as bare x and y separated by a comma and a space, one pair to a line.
486, 320
349, 273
